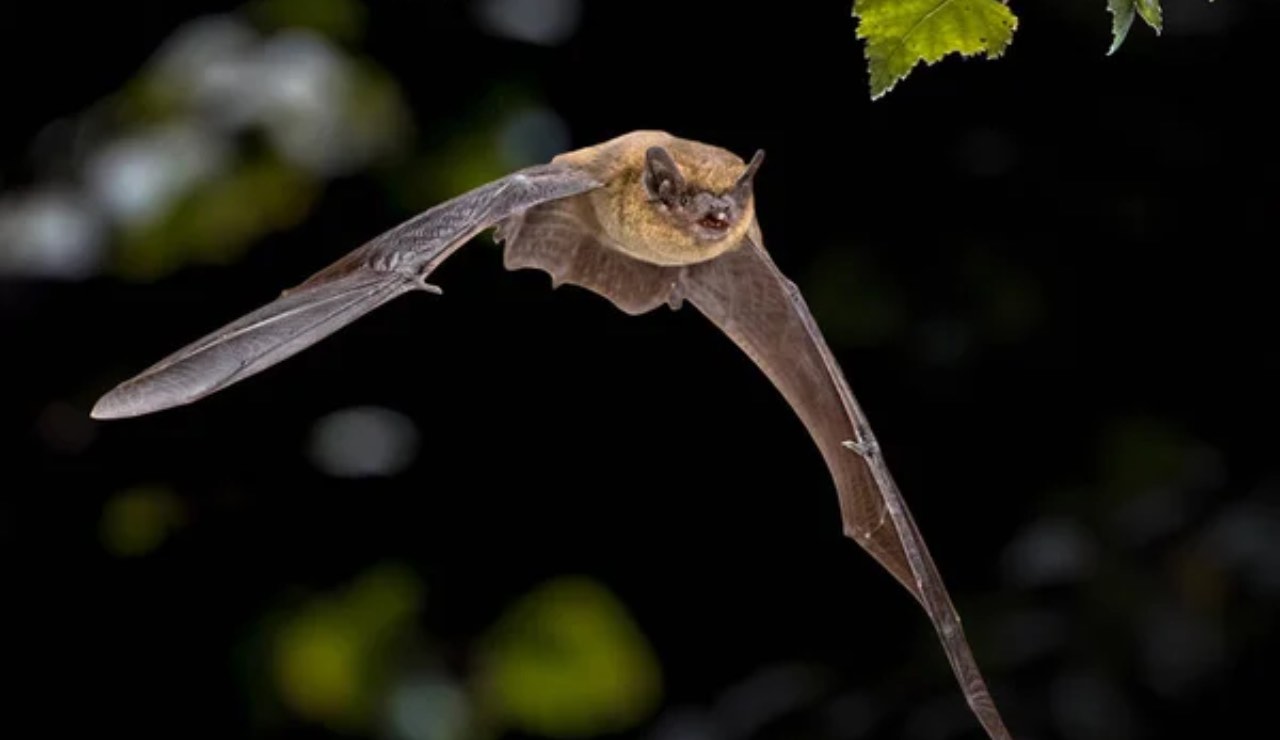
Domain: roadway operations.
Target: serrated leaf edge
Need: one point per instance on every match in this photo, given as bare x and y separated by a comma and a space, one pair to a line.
1122, 14
866, 47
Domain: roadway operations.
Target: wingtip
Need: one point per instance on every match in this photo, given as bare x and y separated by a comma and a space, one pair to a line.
122, 402
108, 407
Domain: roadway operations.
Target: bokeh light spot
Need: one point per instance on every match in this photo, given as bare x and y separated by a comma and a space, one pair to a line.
363, 441
138, 520
427, 708
533, 136
50, 234
541, 22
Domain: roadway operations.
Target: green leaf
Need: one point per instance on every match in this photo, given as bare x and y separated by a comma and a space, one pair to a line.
1151, 13
902, 33
1122, 12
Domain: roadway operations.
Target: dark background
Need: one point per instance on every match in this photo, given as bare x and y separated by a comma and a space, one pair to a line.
1048, 278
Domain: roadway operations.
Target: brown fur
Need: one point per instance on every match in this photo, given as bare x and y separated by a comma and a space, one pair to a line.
632, 223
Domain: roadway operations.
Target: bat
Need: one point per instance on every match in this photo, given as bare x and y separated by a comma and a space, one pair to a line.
643, 220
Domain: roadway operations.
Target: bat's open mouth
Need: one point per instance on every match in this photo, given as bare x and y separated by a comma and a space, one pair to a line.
718, 221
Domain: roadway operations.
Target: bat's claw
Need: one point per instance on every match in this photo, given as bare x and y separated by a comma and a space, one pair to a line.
865, 444
429, 287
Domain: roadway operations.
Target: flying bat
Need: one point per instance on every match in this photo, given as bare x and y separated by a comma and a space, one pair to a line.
645, 219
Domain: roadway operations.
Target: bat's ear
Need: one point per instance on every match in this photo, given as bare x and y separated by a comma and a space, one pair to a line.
742, 190
662, 177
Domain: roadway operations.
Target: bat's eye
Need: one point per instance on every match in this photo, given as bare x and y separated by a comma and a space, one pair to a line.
684, 200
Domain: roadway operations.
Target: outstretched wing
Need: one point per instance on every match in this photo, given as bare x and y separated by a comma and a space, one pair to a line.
388, 266
743, 293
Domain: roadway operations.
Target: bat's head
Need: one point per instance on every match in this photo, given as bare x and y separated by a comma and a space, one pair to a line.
700, 200
669, 201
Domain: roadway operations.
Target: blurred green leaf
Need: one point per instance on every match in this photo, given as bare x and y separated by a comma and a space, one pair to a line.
567, 661
332, 659
902, 33
1122, 13
138, 520
218, 220
318, 669
146, 100
375, 111
467, 154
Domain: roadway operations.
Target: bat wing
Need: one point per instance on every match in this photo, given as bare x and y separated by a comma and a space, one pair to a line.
563, 239
743, 293
390, 265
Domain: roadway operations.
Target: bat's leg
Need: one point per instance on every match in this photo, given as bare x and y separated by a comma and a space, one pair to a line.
675, 300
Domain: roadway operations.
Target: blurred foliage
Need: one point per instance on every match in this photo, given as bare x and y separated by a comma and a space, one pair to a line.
227, 134
233, 128
567, 661
1122, 12
341, 20
902, 33
332, 657
469, 149
218, 220
138, 520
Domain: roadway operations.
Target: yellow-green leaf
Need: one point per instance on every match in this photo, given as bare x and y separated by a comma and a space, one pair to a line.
903, 33
1151, 13
332, 657
567, 661
1122, 12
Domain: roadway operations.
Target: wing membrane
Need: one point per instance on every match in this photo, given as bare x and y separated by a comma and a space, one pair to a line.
744, 294
389, 266
251, 344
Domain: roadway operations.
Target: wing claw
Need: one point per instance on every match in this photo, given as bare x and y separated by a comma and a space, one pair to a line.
431, 288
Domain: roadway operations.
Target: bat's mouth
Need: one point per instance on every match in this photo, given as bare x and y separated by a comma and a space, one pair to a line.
715, 221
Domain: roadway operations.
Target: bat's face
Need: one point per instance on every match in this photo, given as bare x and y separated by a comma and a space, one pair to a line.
696, 211
706, 213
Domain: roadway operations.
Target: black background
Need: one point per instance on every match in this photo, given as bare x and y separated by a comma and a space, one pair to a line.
1132, 194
